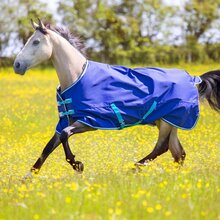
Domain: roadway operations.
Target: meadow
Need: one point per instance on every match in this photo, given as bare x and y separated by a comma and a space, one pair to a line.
108, 188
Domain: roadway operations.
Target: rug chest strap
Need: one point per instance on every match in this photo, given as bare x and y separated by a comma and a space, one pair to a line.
121, 120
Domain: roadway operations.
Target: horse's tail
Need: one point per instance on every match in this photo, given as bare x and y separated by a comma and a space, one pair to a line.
209, 88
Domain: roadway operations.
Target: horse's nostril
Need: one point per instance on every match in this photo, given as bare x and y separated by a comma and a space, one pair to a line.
17, 65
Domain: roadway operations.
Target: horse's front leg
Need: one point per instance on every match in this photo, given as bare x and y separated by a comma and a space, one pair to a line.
75, 128
49, 148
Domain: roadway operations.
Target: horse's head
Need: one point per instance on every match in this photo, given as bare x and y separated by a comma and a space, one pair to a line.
37, 49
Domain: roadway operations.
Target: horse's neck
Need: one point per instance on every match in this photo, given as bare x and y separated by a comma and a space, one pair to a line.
67, 60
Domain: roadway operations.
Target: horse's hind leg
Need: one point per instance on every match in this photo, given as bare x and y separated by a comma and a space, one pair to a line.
175, 147
161, 145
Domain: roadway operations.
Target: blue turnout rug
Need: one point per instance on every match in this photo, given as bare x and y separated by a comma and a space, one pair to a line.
116, 97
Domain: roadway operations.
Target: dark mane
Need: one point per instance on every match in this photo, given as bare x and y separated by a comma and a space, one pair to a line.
74, 40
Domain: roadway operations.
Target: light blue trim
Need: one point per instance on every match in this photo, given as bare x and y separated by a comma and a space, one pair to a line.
121, 121
100, 128
69, 112
181, 127
64, 102
57, 132
114, 128
118, 115
200, 80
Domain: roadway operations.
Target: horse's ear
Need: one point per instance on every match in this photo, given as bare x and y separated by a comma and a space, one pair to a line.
41, 25
34, 25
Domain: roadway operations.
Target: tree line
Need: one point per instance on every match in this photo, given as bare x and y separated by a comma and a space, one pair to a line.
124, 31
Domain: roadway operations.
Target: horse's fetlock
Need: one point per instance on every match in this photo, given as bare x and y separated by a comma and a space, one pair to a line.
34, 170
183, 155
71, 160
176, 156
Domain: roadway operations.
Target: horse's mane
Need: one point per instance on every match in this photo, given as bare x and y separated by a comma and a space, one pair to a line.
73, 39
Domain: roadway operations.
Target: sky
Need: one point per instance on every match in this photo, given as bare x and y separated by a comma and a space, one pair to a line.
52, 6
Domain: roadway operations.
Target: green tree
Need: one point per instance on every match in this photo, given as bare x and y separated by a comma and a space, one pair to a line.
96, 21
15, 18
146, 20
118, 29
198, 16
30, 9
7, 18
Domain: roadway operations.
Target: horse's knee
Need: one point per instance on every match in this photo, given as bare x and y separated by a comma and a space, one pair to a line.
64, 136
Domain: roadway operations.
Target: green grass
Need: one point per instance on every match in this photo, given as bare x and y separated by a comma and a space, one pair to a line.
108, 189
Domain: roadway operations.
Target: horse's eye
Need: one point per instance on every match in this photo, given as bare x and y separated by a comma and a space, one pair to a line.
36, 42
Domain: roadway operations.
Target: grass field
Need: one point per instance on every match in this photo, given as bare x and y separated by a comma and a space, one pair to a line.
108, 189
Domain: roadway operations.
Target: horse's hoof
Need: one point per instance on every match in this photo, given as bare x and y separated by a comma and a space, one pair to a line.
28, 176
78, 166
139, 164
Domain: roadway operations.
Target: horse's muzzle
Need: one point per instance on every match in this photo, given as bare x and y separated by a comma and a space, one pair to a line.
19, 67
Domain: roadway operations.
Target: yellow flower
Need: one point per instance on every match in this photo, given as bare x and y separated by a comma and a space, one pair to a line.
73, 186
118, 203
199, 185
36, 217
207, 185
167, 213
68, 199
118, 211
110, 210
158, 207
150, 210
184, 195
144, 203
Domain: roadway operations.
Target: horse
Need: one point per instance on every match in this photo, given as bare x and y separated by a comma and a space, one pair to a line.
94, 95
